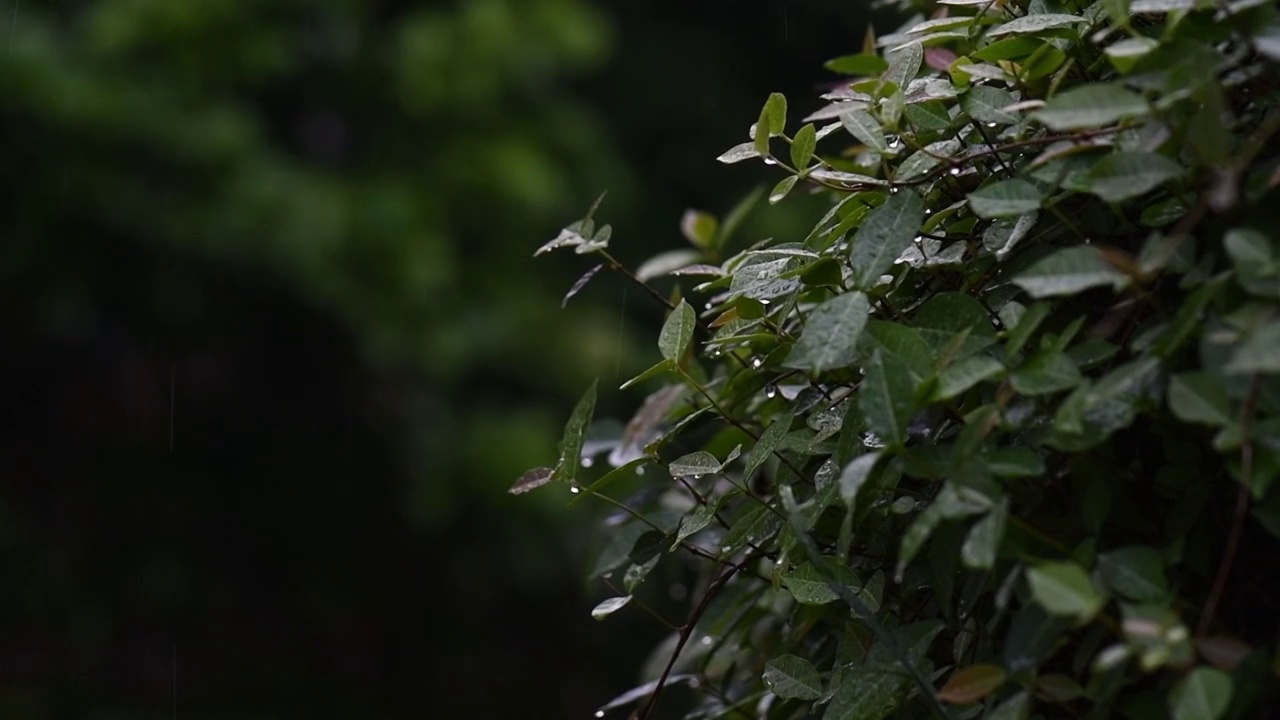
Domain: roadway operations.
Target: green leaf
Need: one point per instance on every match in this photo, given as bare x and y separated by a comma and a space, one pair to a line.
754, 527
665, 262
864, 127
884, 234
886, 399
1091, 106
1064, 588
1015, 462
1005, 233
1135, 572
1031, 24
575, 429
802, 146
987, 104
1204, 694
775, 110
971, 684
929, 116
983, 542
904, 64
699, 228
1259, 353
854, 477
1200, 397
869, 692
1044, 373
947, 315
1006, 199
697, 520
1125, 175
963, 374
831, 332
1069, 271
656, 370
1027, 325
900, 344
863, 65
793, 678
760, 140
694, 465
531, 480
677, 332
781, 190
770, 440
609, 607
1017, 707
744, 151
809, 586
1256, 259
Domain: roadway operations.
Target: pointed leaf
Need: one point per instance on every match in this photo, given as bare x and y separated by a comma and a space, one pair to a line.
531, 480
1044, 373
656, 370
971, 684
609, 607
699, 228
1260, 353
697, 520
695, 465
1204, 694
666, 263
855, 475
1091, 106
802, 146
983, 542
775, 112
963, 374
1064, 588
904, 64
793, 678
781, 190
886, 399
987, 104
885, 232
1030, 24
1125, 175
740, 152
869, 692
1200, 397
1135, 572
677, 332
770, 440
948, 315
1069, 271
1006, 199
830, 336
865, 128
574, 431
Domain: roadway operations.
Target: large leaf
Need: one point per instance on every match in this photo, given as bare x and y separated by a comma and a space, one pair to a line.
1064, 588
793, 678
1259, 353
886, 399
1069, 271
949, 315
1091, 106
677, 332
1200, 397
987, 104
831, 332
861, 125
1124, 175
1030, 24
1135, 572
1006, 199
885, 232
1204, 694
870, 692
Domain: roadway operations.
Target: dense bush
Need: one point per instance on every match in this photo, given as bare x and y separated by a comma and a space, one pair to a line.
998, 437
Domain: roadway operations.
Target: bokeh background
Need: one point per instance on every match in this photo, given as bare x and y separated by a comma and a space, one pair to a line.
273, 344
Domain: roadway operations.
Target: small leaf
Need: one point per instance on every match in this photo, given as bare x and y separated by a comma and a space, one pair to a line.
864, 65
802, 146
1135, 572
930, 116
855, 475
982, 545
531, 480
1091, 106
987, 104
775, 113
793, 678
1069, 271
755, 526
609, 607
886, 399
963, 374
1006, 199
1204, 694
904, 64
781, 190
1017, 707
574, 431
696, 520
1015, 462
1200, 397
677, 332
1064, 588
1259, 353
864, 127
695, 465
656, 370
1005, 233
971, 684
699, 228
738, 153
770, 440
831, 332
1125, 175
809, 586
581, 283
1030, 24
666, 263
885, 232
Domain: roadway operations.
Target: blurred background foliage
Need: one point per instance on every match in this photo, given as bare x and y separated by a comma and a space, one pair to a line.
275, 345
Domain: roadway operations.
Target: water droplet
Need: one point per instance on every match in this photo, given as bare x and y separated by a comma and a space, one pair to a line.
955, 171
763, 301
715, 352
927, 211
607, 575
893, 191
762, 275
726, 549
897, 577
599, 713
697, 477
894, 143
707, 306
587, 462
694, 683
640, 470
770, 161
771, 391
919, 239
575, 489
991, 124
706, 640
757, 363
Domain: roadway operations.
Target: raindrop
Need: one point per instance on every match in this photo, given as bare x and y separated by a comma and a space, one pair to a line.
991, 124
706, 639
640, 470
575, 489
771, 391
599, 713
919, 239
697, 477
894, 143
757, 363
893, 190
694, 683
607, 575
707, 306
725, 549
897, 577
763, 301
927, 211
762, 274
770, 161
715, 352
587, 462
955, 171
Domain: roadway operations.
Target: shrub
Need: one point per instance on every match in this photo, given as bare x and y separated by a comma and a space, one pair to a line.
998, 437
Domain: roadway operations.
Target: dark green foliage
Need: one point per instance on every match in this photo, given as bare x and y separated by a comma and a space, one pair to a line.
1007, 408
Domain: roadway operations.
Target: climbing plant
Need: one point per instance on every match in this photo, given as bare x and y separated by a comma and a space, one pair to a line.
999, 437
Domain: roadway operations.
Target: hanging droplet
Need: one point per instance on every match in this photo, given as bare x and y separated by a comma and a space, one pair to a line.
706, 639
764, 301
955, 171
575, 489
893, 191
707, 306
640, 470
991, 124
599, 713
770, 161
919, 239
587, 462
762, 274
771, 391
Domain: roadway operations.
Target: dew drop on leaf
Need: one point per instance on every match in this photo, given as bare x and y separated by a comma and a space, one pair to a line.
599, 713
575, 489
955, 171
640, 470
587, 462
771, 391
991, 124
757, 363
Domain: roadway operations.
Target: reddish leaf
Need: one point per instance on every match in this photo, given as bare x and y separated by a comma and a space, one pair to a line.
972, 684
1223, 652
939, 58
1058, 688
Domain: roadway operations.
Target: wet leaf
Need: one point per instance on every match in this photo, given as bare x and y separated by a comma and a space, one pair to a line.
1064, 588
609, 607
1203, 694
886, 399
883, 235
1006, 199
677, 332
831, 333
1091, 106
1069, 271
531, 480
793, 678
1125, 175
971, 684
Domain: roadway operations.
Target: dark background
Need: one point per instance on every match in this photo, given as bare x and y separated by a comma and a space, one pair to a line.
274, 344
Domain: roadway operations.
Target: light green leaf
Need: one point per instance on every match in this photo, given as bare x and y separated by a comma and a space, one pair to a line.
1006, 199
1091, 106
865, 128
1259, 353
1044, 373
1135, 572
855, 475
831, 332
802, 146
742, 151
809, 586
695, 464
1064, 588
1125, 175
677, 332
1069, 271
1204, 694
884, 234
987, 104
770, 440
963, 374
574, 431
781, 190
699, 228
656, 370
886, 399
1200, 397
1031, 24
983, 542
609, 607
775, 113
793, 678
904, 64
929, 116
863, 65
